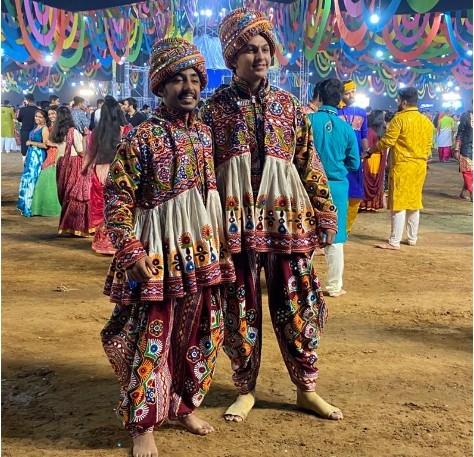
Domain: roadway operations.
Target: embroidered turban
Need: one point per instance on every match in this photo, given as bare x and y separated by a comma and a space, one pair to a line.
240, 26
349, 85
172, 55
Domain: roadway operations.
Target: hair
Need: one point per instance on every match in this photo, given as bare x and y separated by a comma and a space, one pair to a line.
409, 95
44, 104
316, 90
6, 102
145, 106
106, 135
132, 102
389, 116
99, 100
77, 101
376, 121
64, 122
29, 98
52, 98
330, 91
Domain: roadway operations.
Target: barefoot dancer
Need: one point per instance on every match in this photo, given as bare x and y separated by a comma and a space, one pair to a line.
277, 201
164, 217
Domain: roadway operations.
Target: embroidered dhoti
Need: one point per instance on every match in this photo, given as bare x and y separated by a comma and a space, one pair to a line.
164, 355
297, 310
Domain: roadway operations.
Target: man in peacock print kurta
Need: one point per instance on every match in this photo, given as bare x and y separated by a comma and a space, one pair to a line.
164, 217
277, 209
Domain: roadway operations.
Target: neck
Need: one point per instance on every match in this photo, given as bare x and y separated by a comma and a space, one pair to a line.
252, 86
132, 111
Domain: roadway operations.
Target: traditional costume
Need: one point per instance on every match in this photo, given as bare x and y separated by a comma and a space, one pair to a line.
31, 171
444, 137
357, 119
276, 199
409, 136
161, 200
45, 197
464, 146
374, 176
337, 146
73, 187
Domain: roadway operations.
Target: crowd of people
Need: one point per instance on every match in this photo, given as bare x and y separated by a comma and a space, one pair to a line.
194, 202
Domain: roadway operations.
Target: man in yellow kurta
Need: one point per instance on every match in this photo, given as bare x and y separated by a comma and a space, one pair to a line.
409, 136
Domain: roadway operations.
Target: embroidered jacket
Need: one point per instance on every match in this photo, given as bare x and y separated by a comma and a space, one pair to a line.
161, 200
273, 187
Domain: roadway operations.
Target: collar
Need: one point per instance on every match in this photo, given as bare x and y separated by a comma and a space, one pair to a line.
243, 89
181, 119
411, 108
328, 109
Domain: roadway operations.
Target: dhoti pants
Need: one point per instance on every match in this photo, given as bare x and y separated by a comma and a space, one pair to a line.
164, 356
398, 221
297, 310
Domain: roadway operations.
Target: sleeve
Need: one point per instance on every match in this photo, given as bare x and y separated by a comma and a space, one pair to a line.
391, 135
77, 141
352, 160
463, 123
312, 173
364, 130
20, 115
120, 202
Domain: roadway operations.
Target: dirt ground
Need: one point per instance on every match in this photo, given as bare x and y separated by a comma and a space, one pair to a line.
396, 355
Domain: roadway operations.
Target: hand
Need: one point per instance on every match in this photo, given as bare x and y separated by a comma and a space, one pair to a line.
28, 143
142, 270
326, 237
456, 154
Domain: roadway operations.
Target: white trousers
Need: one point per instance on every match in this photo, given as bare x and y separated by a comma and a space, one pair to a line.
412, 219
335, 260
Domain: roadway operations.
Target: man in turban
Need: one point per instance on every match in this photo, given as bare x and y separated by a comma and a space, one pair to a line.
277, 209
357, 119
164, 217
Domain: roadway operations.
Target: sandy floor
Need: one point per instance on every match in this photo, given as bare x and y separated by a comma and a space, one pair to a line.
395, 356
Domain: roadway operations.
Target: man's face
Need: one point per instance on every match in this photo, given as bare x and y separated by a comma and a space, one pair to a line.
254, 60
349, 97
55, 102
183, 91
402, 104
126, 106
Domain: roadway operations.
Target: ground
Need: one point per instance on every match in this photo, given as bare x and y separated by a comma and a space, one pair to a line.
396, 354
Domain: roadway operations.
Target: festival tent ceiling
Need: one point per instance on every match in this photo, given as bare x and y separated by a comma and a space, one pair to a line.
46, 47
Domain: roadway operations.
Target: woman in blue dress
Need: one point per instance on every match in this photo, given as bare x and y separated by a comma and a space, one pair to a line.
35, 156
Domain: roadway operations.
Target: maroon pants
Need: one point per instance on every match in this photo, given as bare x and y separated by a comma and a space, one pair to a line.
164, 356
445, 153
297, 309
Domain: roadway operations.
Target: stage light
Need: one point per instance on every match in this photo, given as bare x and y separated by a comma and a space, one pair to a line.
361, 100
457, 88
81, 83
374, 72
379, 53
438, 89
385, 94
289, 55
49, 58
352, 49
86, 92
469, 52
451, 96
195, 14
208, 13
408, 68
311, 73
371, 89
202, 12
402, 85
50, 90
450, 84
73, 84
374, 18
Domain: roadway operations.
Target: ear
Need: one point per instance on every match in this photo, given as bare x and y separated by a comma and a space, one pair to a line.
160, 90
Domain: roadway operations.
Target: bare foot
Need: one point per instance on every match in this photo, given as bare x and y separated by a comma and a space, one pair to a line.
196, 425
311, 401
144, 446
387, 246
239, 410
338, 293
